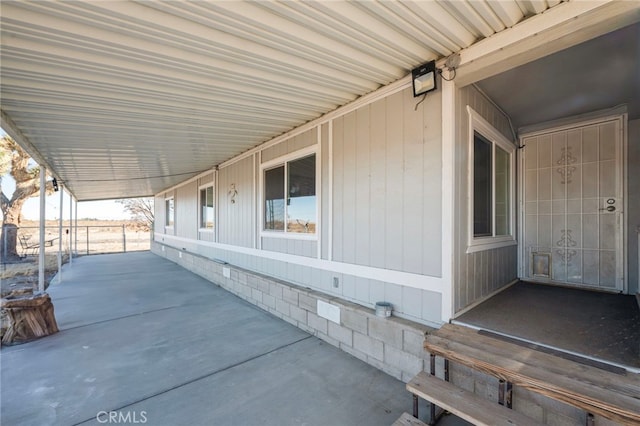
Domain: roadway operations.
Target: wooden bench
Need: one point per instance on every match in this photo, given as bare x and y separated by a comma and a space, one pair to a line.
594, 390
464, 404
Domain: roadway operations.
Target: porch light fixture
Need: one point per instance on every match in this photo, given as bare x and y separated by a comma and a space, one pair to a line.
424, 78
54, 182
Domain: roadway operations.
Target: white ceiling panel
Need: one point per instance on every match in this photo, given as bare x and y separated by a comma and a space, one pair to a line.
126, 98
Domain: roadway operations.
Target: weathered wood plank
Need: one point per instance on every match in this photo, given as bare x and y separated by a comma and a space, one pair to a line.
626, 384
464, 404
615, 406
407, 419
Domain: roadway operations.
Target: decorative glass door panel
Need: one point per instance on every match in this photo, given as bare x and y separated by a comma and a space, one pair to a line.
573, 203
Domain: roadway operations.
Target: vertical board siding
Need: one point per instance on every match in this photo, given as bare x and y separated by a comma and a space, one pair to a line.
476, 275
432, 186
338, 186
378, 183
235, 219
290, 145
394, 182
208, 178
206, 236
158, 213
385, 206
386, 170
186, 211
290, 246
362, 182
349, 216
413, 183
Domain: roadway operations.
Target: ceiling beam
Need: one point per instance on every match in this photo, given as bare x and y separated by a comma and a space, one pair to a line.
558, 28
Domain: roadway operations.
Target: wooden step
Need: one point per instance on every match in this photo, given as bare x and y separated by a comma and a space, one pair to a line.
466, 405
613, 396
407, 419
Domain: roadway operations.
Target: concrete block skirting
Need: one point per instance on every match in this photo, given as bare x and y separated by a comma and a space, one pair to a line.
393, 345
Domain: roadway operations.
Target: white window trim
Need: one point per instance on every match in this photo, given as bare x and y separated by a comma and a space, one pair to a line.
474, 244
304, 152
200, 188
166, 213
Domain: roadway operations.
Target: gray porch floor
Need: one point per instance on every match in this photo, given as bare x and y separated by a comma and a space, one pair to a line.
600, 326
148, 339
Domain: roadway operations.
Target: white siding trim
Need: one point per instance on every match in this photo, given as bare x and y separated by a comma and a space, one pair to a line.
319, 192
407, 279
625, 193
259, 212
254, 203
448, 203
216, 212
330, 200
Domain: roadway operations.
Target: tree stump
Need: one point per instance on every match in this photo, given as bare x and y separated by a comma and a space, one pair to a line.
29, 317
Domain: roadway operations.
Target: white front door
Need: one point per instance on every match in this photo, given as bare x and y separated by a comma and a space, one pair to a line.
572, 225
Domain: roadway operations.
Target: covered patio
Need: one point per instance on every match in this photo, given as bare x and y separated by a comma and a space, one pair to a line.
142, 337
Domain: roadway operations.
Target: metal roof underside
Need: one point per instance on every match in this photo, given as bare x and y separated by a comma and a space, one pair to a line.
125, 99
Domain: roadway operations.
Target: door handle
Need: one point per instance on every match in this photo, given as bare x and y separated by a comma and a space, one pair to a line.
609, 208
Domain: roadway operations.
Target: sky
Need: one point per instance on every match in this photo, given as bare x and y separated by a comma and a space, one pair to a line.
103, 210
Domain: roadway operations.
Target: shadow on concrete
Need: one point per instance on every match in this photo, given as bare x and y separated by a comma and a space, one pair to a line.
152, 343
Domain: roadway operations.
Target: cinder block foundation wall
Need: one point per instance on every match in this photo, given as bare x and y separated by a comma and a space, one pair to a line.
393, 345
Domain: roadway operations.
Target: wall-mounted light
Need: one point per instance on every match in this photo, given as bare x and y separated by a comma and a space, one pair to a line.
54, 182
424, 78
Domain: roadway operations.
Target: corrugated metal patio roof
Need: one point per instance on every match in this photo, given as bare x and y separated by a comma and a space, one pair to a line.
125, 98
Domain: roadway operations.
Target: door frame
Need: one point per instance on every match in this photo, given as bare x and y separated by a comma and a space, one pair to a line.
615, 114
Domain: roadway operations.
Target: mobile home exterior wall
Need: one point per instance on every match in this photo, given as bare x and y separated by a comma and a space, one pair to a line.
481, 273
379, 204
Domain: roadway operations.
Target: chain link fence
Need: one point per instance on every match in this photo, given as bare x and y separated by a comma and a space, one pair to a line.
83, 240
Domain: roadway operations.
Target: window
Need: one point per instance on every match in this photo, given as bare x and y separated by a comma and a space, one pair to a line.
168, 212
206, 207
290, 196
491, 186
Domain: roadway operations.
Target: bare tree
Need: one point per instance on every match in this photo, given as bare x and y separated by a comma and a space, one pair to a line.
15, 160
141, 210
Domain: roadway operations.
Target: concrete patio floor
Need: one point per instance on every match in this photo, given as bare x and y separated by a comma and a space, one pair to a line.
145, 339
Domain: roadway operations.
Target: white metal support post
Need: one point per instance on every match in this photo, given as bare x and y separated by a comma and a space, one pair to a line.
70, 238
75, 243
70, 229
41, 259
60, 237
448, 188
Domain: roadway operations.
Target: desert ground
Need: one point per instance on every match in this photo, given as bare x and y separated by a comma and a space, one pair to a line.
93, 237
